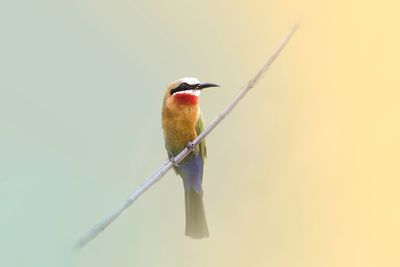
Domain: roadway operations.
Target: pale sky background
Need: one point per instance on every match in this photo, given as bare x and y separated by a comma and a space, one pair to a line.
303, 173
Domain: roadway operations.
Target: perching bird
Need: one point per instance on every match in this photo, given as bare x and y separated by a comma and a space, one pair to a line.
182, 123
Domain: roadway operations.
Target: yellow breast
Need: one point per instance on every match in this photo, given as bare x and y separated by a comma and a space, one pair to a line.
179, 123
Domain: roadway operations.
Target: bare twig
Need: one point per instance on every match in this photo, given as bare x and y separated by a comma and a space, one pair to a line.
166, 166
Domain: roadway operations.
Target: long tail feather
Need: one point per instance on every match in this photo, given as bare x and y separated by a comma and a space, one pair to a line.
196, 223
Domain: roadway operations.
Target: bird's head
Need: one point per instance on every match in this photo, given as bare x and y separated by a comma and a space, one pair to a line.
187, 90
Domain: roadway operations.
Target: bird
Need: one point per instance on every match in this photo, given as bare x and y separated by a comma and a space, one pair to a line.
182, 122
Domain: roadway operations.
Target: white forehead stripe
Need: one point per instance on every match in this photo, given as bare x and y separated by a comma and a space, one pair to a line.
189, 80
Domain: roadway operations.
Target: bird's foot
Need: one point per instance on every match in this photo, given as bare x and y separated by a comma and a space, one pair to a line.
172, 160
190, 146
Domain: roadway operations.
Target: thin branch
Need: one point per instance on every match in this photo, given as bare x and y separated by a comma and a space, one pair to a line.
166, 166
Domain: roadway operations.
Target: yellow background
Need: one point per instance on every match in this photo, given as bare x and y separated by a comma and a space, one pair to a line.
304, 172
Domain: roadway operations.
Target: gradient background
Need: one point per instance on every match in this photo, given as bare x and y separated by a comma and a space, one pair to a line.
304, 172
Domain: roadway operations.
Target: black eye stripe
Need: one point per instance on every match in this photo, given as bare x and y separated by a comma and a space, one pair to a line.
183, 87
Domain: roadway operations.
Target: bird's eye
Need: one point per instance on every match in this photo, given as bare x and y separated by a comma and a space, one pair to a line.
181, 87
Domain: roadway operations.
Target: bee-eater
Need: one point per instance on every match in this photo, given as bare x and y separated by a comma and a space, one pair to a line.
182, 123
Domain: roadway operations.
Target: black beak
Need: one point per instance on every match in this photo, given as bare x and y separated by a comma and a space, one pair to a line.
201, 86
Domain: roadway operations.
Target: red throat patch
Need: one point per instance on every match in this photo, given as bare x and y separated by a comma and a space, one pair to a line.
187, 99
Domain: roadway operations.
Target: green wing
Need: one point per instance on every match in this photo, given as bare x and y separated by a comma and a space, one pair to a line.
199, 128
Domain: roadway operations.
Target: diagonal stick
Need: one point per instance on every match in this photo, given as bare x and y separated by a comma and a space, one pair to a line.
166, 166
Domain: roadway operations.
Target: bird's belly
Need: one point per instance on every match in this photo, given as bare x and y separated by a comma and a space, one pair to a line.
178, 133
